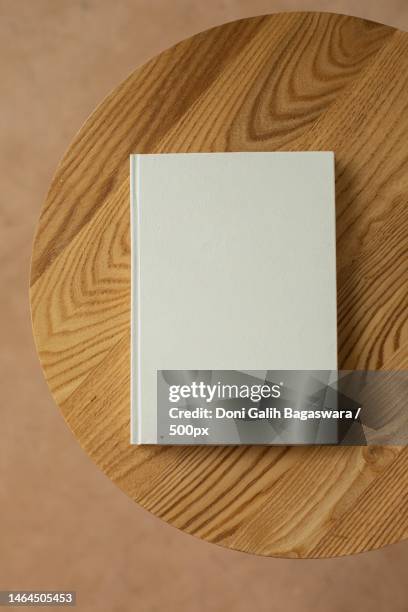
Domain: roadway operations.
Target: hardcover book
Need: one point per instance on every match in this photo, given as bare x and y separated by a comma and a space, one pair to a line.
233, 283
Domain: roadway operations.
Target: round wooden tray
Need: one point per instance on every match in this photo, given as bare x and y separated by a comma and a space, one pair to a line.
285, 82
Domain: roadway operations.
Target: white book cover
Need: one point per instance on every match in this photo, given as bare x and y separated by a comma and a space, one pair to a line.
233, 270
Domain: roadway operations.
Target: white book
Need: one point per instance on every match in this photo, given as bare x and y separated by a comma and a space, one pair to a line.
233, 268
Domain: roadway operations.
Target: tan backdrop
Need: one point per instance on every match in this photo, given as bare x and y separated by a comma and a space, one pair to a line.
63, 524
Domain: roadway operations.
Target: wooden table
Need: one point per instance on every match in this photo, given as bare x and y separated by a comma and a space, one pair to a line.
293, 81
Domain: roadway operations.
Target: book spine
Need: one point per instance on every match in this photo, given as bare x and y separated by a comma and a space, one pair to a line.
136, 416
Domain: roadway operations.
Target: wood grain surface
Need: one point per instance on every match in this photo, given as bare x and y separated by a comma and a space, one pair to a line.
286, 82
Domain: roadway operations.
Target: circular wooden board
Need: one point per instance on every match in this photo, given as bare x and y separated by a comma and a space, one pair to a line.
285, 82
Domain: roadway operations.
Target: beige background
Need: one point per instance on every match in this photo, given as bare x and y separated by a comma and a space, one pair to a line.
64, 525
